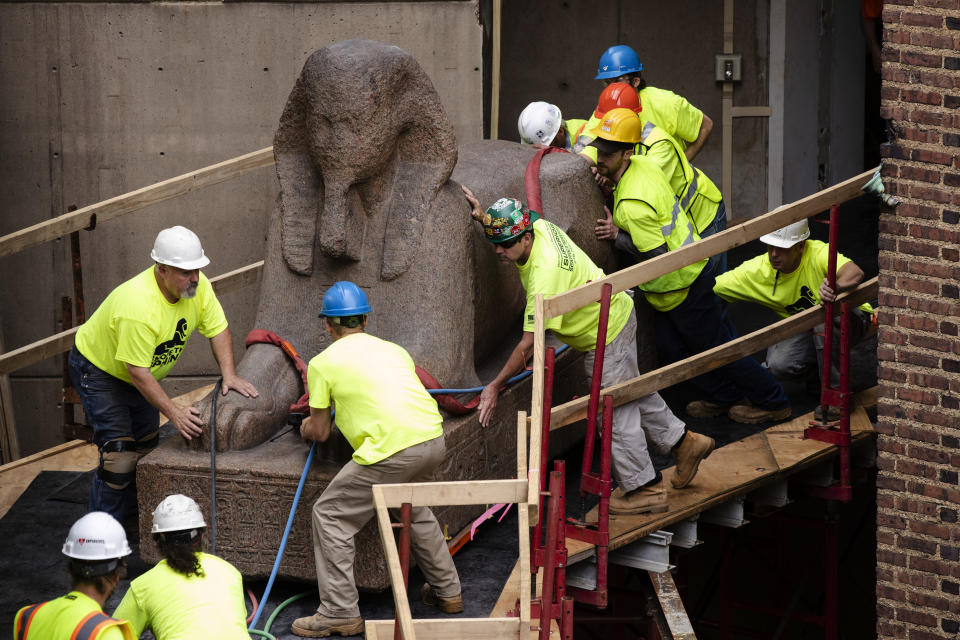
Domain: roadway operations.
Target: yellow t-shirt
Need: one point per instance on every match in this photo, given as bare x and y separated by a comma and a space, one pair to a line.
177, 607
137, 325
382, 407
60, 618
753, 281
557, 265
672, 113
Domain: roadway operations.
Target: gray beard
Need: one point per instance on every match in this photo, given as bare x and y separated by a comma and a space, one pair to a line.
189, 292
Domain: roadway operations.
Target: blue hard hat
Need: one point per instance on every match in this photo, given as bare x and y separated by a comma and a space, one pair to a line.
617, 61
344, 299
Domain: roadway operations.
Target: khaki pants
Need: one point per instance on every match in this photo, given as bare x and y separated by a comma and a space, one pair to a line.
637, 423
345, 507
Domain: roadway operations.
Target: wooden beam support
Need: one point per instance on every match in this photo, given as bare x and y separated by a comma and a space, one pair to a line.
523, 523
393, 564
733, 237
671, 605
467, 492
449, 628
693, 366
120, 205
536, 408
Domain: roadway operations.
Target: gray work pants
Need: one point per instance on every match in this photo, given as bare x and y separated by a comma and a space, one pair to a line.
636, 423
801, 356
346, 505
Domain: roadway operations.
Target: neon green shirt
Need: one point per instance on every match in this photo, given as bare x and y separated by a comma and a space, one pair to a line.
137, 325
177, 607
672, 113
753, 281
382, 407
60, 618
557, 265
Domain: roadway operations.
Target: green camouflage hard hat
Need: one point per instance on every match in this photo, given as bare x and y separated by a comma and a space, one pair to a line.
506, 219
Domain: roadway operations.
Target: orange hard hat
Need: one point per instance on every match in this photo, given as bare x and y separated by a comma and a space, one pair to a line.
618, 95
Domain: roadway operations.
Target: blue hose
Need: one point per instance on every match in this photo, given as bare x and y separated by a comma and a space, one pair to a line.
517, 378
286, 534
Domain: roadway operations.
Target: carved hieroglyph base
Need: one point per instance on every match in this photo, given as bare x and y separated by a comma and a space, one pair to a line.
255, 487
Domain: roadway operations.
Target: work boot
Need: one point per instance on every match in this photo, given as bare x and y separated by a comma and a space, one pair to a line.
650, 498
447, 605
320, 626
833, 413
706, 409
749, 414
692, 449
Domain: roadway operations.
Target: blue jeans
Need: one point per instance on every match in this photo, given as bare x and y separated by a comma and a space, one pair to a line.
717, 263
114, 409
701, 322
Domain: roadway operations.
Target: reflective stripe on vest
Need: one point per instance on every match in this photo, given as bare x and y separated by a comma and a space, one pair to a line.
667, 230
91, 626
689, 172
23, 620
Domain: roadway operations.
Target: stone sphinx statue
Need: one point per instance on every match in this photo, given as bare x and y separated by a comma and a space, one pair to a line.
365, 155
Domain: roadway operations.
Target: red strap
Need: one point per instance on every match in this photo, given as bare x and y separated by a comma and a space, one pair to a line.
263, 336
531, 178
446, 402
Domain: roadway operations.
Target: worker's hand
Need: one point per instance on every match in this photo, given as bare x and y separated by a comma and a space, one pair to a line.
605, 228
239, 385
488, 402
603, 182
477, 212
305, 430
188, 422
826, 293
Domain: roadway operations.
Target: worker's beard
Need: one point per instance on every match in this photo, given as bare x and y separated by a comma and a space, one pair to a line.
189, 292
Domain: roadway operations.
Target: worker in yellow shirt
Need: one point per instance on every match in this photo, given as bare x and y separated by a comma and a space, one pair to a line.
128, 345
689, 318
96, 546
550, 263
789, 278
672, 113
542, 125
697, 194
189, 593
395, 429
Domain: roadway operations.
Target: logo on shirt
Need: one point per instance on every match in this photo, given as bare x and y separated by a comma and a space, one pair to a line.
806, 301
565, 255
168, 352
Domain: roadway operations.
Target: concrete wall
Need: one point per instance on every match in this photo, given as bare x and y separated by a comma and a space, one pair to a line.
103, 98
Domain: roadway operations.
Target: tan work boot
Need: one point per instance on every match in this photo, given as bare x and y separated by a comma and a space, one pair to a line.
447, 605
706, 409
749, 414
647, 499
692, 449
320, 626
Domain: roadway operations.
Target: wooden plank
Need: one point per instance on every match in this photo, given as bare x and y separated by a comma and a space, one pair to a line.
536, 408
40, 455
523, 523
63, 341
133, 201
730, 471
732, 237
15, 477
9, 442
672, 606
449, 629
393, 565
466, 492
687, 368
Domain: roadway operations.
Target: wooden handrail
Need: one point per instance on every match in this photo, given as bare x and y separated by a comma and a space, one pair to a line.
132, 201
63, 341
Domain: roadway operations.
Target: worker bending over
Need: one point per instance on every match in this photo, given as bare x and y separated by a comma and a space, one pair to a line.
789, 278
689, 318
130, 343
550, 263
396, 432
189, 593
96, 546
542, 125
672, 113
697, 194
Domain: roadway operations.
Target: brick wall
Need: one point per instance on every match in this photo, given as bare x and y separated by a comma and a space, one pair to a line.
918, 498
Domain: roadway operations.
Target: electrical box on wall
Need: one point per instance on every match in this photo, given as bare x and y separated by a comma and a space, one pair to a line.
728, 67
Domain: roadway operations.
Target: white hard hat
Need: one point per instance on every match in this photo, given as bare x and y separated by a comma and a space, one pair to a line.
96, 536
179, 247
788, 236
539, 123
177, 513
